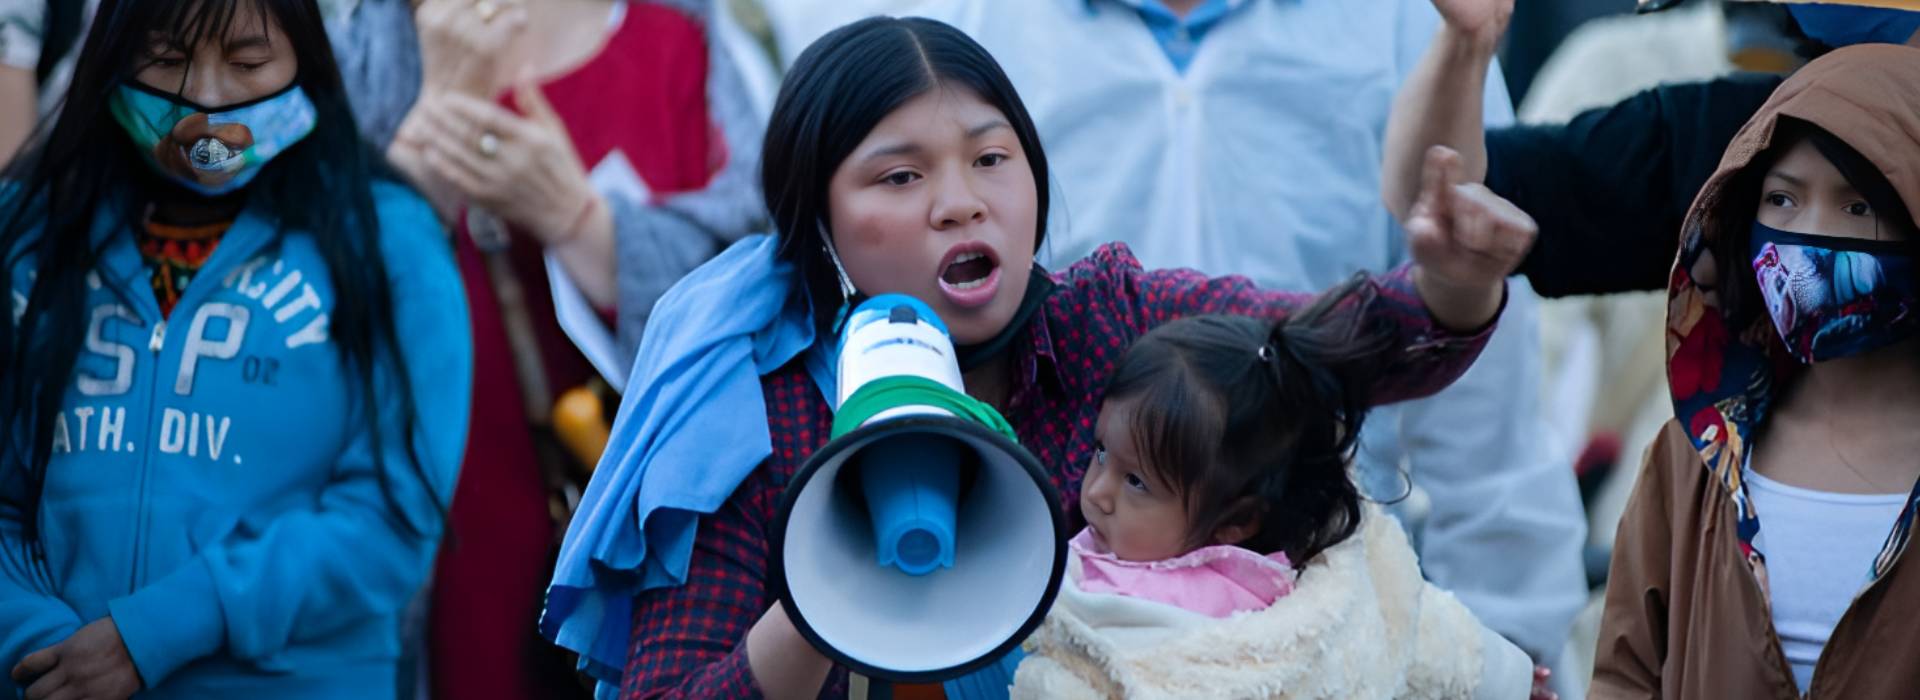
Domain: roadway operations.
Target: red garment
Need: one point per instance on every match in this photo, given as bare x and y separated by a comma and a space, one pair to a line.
643, 95
176, 254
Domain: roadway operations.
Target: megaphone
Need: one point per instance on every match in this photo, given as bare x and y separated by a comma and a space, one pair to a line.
922, 542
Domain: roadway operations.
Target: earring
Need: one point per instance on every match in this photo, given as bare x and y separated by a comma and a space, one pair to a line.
846, 283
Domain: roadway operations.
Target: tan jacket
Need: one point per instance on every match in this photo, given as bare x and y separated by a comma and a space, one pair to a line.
1687, 613
1686, 618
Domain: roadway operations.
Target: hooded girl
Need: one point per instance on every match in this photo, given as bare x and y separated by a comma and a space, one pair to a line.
1761, 553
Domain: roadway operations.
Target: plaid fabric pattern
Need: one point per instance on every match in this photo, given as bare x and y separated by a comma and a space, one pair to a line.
690, 641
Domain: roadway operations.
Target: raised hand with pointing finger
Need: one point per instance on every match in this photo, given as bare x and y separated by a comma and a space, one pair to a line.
1466, 240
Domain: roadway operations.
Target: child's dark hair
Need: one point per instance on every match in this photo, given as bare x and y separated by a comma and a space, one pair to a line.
1254, 423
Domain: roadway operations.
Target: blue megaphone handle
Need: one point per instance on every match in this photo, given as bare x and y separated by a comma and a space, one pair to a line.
991, 682
912, 486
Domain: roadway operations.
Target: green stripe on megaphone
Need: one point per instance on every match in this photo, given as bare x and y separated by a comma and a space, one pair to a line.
889, 393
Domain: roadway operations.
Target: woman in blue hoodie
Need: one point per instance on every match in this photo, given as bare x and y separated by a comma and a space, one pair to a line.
234, 372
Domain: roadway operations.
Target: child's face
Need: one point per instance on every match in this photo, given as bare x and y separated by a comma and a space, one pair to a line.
1804, 193
1130, 509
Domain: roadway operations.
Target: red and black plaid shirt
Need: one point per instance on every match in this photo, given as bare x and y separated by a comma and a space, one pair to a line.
690, 641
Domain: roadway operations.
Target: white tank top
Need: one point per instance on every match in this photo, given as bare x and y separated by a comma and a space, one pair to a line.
1820, 548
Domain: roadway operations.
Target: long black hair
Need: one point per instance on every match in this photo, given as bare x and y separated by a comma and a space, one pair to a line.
839, 88
1252, 423
83, 162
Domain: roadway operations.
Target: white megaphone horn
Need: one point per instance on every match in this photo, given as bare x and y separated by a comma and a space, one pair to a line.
922, 542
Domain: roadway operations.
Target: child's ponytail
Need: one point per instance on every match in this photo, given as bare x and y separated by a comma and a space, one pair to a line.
1254, 424
1332, 352
1322, 362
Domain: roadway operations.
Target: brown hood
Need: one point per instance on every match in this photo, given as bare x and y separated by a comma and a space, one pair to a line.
1723, 378
1868, 95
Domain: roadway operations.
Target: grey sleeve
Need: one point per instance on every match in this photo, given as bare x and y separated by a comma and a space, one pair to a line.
379, 56
656, 244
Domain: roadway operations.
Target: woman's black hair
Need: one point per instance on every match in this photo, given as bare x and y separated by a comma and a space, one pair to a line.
1739, 204
1256, 424
839, 88
83, 161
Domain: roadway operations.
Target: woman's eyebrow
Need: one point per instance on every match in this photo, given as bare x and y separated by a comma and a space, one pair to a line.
254, 41
1789, 179
985, 128
912, 147
159, 42
893, 149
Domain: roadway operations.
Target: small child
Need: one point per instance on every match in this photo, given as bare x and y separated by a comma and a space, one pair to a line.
1228, 553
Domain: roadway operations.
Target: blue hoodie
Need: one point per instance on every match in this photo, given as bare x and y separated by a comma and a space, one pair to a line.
212, 486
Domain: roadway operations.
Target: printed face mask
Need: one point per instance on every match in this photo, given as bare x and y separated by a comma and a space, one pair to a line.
212, 152
1835, 297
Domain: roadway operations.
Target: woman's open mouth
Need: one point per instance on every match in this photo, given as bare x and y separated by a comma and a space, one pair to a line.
970, 275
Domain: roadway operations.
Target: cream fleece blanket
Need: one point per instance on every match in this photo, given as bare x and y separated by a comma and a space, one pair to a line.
1360, 623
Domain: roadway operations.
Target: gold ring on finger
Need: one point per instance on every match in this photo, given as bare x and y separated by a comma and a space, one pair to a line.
488, 145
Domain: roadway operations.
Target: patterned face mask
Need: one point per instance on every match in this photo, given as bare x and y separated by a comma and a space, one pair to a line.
1835, 297
212, 152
